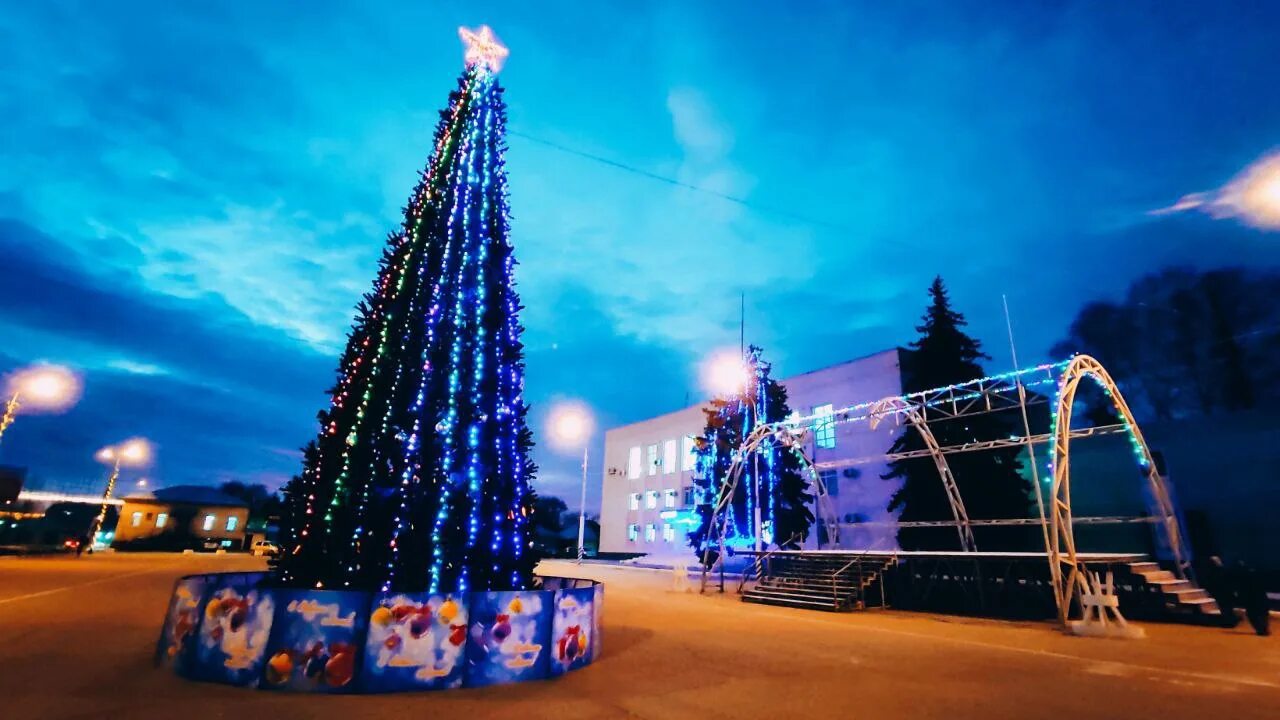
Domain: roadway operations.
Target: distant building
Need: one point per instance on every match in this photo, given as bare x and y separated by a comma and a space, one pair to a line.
647, 494
185, 515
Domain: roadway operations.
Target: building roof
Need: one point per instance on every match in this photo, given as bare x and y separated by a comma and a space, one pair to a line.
189, 494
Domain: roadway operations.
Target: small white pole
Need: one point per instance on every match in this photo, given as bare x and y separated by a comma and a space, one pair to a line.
1026, 427
582, 507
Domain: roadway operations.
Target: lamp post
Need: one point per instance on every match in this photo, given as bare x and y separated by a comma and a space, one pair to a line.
570, 425
47, 388
134, 452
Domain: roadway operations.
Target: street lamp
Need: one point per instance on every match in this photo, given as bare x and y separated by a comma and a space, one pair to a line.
725, 373
134, 452
571, 424
1259, 196
46, 388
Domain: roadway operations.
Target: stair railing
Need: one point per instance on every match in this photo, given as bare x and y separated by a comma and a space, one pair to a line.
763, 559
857, 559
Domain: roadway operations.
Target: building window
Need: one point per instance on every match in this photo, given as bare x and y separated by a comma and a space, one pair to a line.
208, 521
633, 532
633, 463
690, 458
668, 533
653, 459
634, 501
650, 532
651, 499
831, 481
688, 496
136, 519
669, 498
161, 519
232, 521
824, 426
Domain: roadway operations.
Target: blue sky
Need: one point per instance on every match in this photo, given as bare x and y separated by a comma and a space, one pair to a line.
193, 195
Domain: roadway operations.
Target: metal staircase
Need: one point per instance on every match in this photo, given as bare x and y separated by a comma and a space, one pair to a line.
818, 581
1180, 596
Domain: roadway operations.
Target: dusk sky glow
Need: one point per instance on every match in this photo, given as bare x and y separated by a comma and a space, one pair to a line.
193, 196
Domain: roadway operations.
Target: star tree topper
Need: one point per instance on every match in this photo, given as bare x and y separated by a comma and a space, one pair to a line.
483, 47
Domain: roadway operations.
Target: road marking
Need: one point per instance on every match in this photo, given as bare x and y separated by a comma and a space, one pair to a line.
42, 593
1032, 651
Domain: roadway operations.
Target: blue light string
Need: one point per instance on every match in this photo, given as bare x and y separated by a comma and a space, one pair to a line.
411, 445
448, 423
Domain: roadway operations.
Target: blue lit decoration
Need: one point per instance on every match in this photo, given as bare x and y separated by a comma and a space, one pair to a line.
419, 478
1140, 452
238, 629
772, 478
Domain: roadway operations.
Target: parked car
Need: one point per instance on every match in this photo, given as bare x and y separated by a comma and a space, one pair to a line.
265, 548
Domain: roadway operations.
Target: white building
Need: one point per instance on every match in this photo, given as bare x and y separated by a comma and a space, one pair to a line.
647, 497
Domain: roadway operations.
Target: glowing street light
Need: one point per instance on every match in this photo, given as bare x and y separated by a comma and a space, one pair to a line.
43, 388
1258, 195
134, 452
571, 424
726, 373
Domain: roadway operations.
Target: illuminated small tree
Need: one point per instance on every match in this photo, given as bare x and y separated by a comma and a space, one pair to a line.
772, 478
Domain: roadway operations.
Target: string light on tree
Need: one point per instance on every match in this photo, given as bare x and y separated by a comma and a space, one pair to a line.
769, 505
419, 476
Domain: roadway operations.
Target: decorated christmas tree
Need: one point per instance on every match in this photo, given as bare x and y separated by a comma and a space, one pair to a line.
419, 478
772, 482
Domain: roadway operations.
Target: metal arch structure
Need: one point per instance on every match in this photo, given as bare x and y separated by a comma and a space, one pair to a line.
900, 407
789, 438
1069, 578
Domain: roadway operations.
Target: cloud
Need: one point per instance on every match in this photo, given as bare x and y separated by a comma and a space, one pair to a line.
1252, 196
218, 392
700, 134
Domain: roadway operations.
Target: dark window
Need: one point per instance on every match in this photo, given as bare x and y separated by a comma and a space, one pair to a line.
831, 480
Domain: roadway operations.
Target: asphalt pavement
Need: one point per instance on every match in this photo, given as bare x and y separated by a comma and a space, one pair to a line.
76, 640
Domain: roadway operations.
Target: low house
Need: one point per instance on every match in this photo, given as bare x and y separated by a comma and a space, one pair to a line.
182, 516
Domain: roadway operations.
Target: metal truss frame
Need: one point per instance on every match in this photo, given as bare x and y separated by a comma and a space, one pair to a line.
975, 397
967, 447
1071, 581
1073, 584
896, 407
789, 438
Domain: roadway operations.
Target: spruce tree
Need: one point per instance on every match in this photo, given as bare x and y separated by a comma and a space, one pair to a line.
990, 482
418, 478
773, 477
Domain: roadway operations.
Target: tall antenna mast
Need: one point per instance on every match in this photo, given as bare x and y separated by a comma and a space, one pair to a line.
1026, 425
742, 323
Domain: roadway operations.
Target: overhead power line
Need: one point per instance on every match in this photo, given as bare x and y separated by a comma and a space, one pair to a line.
679, 183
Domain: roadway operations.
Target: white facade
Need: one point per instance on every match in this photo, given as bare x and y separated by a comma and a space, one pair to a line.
647, 485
